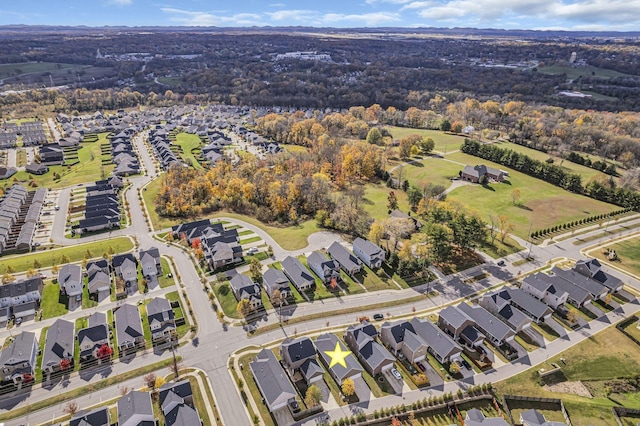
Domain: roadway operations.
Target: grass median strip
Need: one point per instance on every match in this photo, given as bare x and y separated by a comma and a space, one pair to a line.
60, 398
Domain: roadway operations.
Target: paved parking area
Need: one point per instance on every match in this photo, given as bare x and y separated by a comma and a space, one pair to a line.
393, 382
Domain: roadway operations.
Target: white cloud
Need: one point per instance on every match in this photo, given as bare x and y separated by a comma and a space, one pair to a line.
292, 15
121, 2
387, 1
208, 19
368, 19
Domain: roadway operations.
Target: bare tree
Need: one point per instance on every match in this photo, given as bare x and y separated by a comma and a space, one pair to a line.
70, 408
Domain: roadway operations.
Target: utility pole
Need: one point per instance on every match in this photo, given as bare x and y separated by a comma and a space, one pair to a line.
529, 240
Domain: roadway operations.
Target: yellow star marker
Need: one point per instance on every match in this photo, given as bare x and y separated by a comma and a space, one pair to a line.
338, 356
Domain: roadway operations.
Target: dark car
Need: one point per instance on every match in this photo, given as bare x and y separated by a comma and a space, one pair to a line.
421, 366
378, 317
466, 364
294, 406
501, 263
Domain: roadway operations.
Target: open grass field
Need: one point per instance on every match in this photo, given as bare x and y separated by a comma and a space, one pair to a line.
14, 70
444, 142
89, 168
628, 252
48, 258
434, 170
575, 72
375, 200
188, 142
605, 356
541, 204
289, 237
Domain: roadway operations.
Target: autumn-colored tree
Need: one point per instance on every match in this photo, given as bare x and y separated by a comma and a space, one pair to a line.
396, 422
392, 201
7, 278
313, 396
31, 272
64, 364
376, 232
149, 380
333, 284
348, 387
255, 269
244, 308
406, 252
195, 243
515, 196
159, 382
454, 368
505, 226
55, 269
104, 352
71, 408
64, 259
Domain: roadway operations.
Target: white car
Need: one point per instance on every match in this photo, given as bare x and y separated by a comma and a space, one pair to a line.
396, 374
252, 250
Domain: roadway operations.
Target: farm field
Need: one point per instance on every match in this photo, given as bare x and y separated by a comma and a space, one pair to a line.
89, 168
628, 252
14, 70
586, 172
541, 204
605, 356
444, 142
575, 72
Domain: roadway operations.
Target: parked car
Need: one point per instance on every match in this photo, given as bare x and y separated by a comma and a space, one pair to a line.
57, 207
396, 374
421, 366
378, 317
294, 406
252, 250
466, 364
501, 263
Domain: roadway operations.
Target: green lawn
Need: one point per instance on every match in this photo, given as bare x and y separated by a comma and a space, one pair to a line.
605, 356
434, 170
188, 142
541, 203
179, 312
48, 258
444, 142
375, 200
289, 237
51, 304
226, 299
628, 255
14, 70
41, 342
586, 172
145, 323
89, 168
575, 72
373, 281
163, 280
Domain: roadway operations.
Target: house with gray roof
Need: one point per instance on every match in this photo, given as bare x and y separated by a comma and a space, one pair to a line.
439, 344
327, 343
127, 269
541, 286
300, 276
327, 269
528, 304
374, 357
400, 337
244, 288
453, 321
475, 417
592, 268
59, 347
70, 281
129, 334
176, 401
98, 417
475, 173
273, 382
20, 292
594, 288
497, 331
18, 360
161, 321
93, 337
533, 417
151, 266
498, 304
348, 262
99, 286
295, 352
274, 279
372, 255
136, 409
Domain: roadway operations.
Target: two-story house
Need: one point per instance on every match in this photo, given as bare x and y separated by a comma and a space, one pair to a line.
70, 281
401, 338
244, 288
129, 334
300, 276
300, 355
161, 321
374, 357
59, 347
327, 269
136, 409
274, 279
348, 262
372, 255
18, 360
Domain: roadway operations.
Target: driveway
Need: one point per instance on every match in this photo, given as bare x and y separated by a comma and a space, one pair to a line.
362, 389
557, 327
281, 415
395, 383
434, 378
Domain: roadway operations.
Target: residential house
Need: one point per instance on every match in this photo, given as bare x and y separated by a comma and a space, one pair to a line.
439, 344
136, 409
296, 352
151, 266
541, 286
533, 417
274, 279
327, 270
126, 267
51, 154
244, 288
59, 347
94, 224
372, 255
21, 292
475, 417
70, 281
161, 320
99, 286
18, 360
98, 417
273, 383
460, 326
300, 276
327, 343
400, 338
129, 334
528, 304
374, 357
476, 173
594, 288
221, 254
176, 401
413, 223
498, 304
93, 337
36, 168
592, 268
497, 331
348, 262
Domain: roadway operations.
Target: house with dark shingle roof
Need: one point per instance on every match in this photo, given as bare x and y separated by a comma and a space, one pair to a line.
541, 286
493, 328
59, 346
129, 334
326, 343
161, 320
70, 281
592, 268
594, 288
475, 173
97, 417
274, 279
295, 352
372, 255
400, 337
272, 381
244, 288
18, 360
498, 303
439, 344
348, 262
136, 409
374, 357
328, 270
300, 276
93, 337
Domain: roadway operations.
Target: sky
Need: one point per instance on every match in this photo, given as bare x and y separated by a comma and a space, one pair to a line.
584, 15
